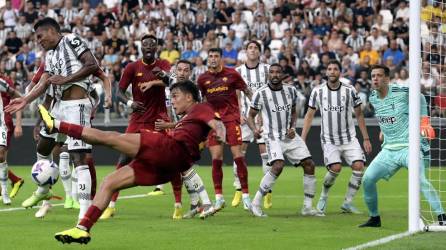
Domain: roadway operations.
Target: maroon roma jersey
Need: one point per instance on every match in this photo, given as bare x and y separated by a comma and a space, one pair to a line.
219, 88
192, 130
154, 99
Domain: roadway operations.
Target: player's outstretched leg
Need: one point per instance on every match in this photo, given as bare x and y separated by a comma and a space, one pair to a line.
309, 181
353, 186
194, 185
431, 195
329, 180
4, 177
16, 183
119, 179
238, 188
176, 187
65, 177
268, 199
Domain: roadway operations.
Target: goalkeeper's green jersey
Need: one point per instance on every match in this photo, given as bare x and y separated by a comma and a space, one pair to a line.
392, 113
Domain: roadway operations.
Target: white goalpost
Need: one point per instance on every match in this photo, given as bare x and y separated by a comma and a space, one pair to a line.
429, 71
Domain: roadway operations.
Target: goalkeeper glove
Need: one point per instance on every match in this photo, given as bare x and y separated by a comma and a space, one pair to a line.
426, 128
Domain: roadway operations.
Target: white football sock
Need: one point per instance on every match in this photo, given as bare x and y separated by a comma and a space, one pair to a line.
65, 172
84, 189
265, 166
309, 189
74, 185
193, 195
112, 204
192, 178
329, 180
237, 184
266, 184
4, 177
353, 186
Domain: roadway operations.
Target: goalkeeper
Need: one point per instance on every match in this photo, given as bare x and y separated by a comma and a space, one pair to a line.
391, 103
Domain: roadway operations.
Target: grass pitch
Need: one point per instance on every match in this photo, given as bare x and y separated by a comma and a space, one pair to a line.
145, 222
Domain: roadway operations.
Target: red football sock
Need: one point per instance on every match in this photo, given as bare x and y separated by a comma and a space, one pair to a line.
70, 129
91, 216
92, 169
12, 177
217, 176
242, 172
176, 186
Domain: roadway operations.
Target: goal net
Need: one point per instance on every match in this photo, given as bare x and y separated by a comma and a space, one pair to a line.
432, 71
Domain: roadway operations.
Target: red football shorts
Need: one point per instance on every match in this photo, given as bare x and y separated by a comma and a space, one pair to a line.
233, 135
159, 158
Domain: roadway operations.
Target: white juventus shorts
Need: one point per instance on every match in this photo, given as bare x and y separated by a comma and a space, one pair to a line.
294, 149
76, 112
351, 152
248, 135
3, 135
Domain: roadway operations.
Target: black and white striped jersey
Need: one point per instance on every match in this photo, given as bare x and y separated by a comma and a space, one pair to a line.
336, 107
276, 107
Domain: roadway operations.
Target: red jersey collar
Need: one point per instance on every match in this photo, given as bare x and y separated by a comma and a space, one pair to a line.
142, 60
217, 71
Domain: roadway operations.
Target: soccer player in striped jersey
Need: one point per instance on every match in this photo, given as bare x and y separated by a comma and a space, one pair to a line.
68, 63
277, 104
336, 101
391, 103
255, 75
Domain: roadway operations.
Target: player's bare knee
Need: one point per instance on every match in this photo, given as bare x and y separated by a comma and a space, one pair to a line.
277, 167
335, 168
236, 151
308, 166
358, 166
2, 154
78, 158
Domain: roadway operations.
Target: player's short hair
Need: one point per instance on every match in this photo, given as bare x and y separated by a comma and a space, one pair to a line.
46, 23
383, 67
276, 65
187, 86
146, 36
333, 61
185, 62
257, 44
217, 50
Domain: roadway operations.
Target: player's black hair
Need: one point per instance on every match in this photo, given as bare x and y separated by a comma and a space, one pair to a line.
185, 62
218, 50
47, 22
144, 37
257, 44
332, 61
187, 86
276, 65
383, 67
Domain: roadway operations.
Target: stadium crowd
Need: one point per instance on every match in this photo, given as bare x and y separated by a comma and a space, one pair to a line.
301, 35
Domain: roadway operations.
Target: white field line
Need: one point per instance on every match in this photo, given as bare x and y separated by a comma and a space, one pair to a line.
61, 204
381, 241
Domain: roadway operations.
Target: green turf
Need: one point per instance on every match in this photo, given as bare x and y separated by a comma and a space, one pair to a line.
144, 223
419, 241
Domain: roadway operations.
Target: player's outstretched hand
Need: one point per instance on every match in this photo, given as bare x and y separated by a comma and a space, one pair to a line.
258, 133
15, 105
291, 133
138, 107
161, 124
56, 80
367, 146
243, 119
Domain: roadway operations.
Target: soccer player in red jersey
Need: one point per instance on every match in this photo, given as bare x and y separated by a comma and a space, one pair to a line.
219, 86
16, 131
157, 157
148, 106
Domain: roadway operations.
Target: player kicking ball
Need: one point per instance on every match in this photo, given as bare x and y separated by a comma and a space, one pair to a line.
280, 136
391, 103
156, 157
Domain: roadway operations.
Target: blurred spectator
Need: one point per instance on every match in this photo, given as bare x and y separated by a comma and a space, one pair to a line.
30, 13
403, 78
189, 54
9, 15
355, 41
379, 42
240, 28
278, 27
393, 51
170, 53
23, 29
201, 28
229, 55
114, 42
261, 28
13, 43
369, 52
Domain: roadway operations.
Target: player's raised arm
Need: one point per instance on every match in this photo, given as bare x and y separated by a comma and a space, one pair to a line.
219, 128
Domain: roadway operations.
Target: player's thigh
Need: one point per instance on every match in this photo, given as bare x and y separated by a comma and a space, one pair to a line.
261, 145
233, 133
247, 134
77, 112
120, 179
295, 150
274, 150
332, 154
46, 144
352, 153
384, 166
127, 144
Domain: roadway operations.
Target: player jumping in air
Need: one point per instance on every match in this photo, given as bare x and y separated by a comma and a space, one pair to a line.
157, 157
391, 103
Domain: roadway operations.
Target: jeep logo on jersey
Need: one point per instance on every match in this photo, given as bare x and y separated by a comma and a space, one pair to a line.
334, 108
280, 108
255, 85
386, 119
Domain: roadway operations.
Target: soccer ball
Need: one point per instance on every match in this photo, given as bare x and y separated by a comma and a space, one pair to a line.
45, 172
